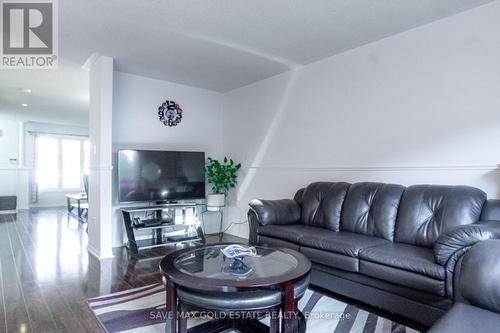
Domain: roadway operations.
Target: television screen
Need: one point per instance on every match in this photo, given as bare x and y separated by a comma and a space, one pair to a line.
148, 175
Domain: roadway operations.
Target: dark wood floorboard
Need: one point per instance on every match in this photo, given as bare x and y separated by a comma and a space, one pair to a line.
47, 275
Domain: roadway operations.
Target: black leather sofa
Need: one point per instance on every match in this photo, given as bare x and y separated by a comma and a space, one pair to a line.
479, 310
393, 247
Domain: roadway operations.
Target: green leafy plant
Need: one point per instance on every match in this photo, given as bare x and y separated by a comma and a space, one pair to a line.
222, 176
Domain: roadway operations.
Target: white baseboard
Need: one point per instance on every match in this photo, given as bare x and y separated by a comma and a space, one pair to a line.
97, 254
13, 211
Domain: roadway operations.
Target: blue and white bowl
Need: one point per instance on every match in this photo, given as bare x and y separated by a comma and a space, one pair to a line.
239, 252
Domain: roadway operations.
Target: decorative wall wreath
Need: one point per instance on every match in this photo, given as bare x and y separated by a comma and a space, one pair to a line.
170, 113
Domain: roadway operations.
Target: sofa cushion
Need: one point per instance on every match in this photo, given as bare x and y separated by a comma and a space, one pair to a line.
371, 209
346, 243
322, 204
406, 257
426, 211
402, 277
331, 259
292, 233
275, 242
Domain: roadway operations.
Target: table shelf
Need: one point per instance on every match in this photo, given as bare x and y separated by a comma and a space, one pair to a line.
150, 243
177, 227
162, 234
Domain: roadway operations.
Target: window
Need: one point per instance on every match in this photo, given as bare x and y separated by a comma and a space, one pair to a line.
71, 164
61, 162
48, 166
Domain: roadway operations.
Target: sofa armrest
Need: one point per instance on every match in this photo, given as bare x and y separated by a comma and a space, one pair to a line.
459, 238
264, 212
284, 211
253, 224
451, 246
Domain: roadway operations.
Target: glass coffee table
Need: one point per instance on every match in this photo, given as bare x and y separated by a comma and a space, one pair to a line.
203, 278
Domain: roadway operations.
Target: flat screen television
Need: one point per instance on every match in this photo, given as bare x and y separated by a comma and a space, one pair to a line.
160, 176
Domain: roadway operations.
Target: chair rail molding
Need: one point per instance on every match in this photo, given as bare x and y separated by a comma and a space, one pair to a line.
380, 168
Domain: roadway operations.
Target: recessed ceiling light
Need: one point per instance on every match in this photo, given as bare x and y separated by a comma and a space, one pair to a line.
25, 90
24, 105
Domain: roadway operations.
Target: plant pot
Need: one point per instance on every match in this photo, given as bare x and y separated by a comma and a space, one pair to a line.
215, 201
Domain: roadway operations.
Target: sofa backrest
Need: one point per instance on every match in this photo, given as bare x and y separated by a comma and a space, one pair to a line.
491, 210
426, 211
321, 204
371, 209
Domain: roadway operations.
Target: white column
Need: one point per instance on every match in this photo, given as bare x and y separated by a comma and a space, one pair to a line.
100, 178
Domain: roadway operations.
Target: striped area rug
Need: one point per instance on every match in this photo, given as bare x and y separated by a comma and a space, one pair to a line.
142, 310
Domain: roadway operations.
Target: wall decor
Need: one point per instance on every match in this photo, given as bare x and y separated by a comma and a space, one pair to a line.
170, 113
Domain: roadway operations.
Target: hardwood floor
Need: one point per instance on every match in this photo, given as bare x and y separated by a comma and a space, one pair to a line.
47, 275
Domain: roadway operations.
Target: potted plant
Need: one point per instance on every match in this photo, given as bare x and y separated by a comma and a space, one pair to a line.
222, 177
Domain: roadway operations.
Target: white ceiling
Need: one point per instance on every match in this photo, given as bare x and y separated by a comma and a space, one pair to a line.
218, 44
225, 44
57, 96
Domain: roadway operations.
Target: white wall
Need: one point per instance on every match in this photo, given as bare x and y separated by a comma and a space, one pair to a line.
10, 154
136, 124
419, 107
9, 143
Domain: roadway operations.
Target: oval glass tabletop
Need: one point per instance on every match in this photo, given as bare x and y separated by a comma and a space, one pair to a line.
210, 262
